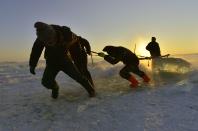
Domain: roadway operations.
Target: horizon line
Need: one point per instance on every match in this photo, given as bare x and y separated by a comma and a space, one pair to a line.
42, 59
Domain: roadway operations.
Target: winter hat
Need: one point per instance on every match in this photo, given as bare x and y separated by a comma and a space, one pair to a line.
111, 50
45, 33
108, 48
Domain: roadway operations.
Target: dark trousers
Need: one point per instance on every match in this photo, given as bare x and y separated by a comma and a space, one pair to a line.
125, 72
84, 71
68, 68
80, 61
81, 64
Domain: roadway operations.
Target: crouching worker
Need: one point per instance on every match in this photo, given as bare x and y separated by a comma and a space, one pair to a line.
131, 61
56, 40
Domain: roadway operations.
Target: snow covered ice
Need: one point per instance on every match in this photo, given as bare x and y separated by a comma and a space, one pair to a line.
168, 103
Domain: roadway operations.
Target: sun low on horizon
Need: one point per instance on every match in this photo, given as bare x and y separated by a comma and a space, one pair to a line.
128, 23
140, 47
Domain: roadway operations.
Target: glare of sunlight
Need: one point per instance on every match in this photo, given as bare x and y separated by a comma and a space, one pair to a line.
141, 48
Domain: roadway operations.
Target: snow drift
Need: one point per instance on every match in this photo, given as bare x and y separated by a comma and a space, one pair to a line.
169, 102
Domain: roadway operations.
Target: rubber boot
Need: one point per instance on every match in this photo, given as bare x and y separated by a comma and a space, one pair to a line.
55, 90
134, 82
146, 78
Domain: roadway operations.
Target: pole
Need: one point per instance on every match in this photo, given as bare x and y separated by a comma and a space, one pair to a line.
134, 49
92, 59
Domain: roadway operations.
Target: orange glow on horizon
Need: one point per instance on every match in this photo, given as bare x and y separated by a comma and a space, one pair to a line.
141, 47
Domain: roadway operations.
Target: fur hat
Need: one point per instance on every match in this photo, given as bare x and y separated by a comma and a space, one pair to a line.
45, 33
108, 48
111, 50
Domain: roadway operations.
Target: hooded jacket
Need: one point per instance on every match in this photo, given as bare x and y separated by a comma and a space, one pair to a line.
154, 49
80, 49
56, 53
116, 54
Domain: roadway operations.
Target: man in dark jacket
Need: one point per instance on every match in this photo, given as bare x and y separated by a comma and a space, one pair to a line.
154, 48
78, 52
131, 61
56, 40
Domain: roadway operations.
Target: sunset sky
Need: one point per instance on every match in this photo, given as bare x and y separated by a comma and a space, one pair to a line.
102, 22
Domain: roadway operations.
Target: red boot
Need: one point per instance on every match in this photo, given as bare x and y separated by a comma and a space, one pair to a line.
146, 78
134, 82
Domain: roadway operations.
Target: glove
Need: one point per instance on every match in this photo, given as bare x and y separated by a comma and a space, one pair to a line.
32, 70
101, 54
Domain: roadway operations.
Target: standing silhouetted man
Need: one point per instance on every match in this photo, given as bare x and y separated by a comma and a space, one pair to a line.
153, 48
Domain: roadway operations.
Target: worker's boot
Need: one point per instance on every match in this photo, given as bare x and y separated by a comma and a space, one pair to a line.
55, 90
146, 78
134, 82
